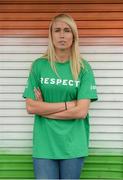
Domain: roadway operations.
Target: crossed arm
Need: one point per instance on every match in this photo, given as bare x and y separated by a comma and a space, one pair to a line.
75, 109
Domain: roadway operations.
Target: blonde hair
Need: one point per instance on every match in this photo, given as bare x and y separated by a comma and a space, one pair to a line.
75, 57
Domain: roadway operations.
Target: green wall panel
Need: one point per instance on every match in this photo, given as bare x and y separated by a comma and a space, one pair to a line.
96, 167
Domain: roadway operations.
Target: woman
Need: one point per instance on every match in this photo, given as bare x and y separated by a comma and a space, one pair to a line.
59, 90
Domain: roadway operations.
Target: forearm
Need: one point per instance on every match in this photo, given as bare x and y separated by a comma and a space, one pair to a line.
77, 112
44, 108
73, 113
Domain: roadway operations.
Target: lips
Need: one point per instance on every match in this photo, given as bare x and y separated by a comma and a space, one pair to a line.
61, 41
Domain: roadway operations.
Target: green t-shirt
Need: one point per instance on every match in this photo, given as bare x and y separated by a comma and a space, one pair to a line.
60, 139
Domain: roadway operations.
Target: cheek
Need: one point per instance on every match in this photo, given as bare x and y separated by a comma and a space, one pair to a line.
55, 39
70, 40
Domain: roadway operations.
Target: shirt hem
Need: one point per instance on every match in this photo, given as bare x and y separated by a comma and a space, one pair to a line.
65, 157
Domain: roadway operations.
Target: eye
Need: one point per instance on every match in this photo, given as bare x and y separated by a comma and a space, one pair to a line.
56, 30
67, 30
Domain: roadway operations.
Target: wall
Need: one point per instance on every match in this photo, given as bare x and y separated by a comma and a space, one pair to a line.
23, 37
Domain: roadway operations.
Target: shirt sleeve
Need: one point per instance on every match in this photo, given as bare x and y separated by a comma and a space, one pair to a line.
32, 82
87, 87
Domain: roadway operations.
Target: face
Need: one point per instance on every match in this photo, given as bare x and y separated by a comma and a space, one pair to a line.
62, 35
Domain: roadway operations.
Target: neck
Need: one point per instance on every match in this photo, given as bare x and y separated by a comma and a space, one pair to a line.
62, 55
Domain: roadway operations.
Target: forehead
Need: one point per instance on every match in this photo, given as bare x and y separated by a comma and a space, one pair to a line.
60, 24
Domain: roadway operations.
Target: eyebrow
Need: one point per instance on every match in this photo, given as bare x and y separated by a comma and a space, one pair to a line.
64, 28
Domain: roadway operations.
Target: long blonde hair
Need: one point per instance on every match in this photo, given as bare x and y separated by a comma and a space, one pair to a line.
75, 57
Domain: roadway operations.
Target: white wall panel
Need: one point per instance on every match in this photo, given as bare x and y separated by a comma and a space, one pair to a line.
95, 65
16, 128
14, 120
13, 72
101, 89
15, 136
90, 56
16, 56
39, 48
99, 113
102, 97
100, 81
97, 105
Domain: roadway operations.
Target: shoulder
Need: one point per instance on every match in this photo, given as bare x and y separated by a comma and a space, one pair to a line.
38, 64
85, 65
86, 71
39, 61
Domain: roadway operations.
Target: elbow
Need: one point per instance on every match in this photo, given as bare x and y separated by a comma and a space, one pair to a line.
29, 107
82, 115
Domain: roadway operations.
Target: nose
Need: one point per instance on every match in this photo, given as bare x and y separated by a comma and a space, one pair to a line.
61, 33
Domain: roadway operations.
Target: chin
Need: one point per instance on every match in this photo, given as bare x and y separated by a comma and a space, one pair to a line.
62, 48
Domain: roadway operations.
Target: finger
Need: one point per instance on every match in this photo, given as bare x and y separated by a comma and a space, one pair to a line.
38, 89
39, 92
36, 94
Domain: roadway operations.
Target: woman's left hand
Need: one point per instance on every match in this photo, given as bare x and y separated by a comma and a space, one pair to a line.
38, 94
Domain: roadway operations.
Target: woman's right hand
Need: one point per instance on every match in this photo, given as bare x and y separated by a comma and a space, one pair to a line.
38, 94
